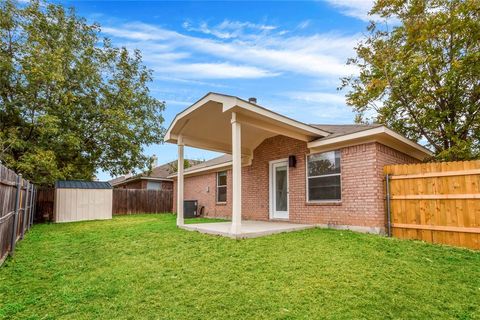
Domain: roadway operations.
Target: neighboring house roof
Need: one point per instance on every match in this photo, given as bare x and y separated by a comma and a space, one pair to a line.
159, 173
117, 180
78, 184
162, 171
210, 164
215, 163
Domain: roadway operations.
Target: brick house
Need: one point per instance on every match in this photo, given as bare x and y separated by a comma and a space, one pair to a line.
276, 168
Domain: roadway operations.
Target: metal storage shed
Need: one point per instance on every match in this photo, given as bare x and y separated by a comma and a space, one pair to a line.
82, 200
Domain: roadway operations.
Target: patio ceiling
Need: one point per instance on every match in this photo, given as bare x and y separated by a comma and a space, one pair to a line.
207, 125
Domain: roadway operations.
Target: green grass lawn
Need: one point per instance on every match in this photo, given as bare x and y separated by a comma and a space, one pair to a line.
144, 267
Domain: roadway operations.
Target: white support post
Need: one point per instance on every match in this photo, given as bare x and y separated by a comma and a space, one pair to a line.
180, 168
237, 175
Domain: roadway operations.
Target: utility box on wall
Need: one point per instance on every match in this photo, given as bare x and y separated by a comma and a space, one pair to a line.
82, 200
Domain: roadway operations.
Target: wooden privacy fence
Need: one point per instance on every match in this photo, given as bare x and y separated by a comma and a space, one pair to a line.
44, 205
435, 202
17, 202
132, 201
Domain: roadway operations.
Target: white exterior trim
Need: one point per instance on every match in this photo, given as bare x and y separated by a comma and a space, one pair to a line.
225, 165
271, 206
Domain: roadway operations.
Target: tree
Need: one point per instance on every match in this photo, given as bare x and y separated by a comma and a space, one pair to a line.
70, 102
173, 166
422, 77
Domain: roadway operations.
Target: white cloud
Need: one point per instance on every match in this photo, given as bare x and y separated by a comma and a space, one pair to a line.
216, 71
304, 24
244, 57
355, 8
191, 81
228, 29
321, 107
317, 97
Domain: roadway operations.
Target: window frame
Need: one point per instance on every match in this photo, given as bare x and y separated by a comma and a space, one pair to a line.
307, 180
221, 186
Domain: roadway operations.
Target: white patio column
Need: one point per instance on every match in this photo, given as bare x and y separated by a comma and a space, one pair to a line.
180, 166
237, 175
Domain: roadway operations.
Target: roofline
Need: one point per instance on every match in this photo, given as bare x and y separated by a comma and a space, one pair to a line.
235, 101
208, 168
366, 134
322, 132
139, 178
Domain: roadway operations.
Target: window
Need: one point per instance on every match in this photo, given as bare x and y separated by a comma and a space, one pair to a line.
222, 187
323, 176
153, 185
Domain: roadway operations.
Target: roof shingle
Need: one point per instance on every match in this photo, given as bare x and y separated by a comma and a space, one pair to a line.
79, 184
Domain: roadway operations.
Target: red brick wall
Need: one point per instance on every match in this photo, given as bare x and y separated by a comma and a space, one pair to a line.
136, 184
166, 185
387, 156
362, 203
203, 189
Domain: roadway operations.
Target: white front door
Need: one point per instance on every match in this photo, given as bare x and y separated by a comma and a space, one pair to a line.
279, 189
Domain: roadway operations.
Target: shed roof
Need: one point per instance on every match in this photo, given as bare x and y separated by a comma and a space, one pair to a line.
79, 184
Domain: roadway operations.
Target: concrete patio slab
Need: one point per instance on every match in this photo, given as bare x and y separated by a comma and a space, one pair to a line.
250, 229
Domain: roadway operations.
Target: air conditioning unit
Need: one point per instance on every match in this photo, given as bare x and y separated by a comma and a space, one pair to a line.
190, 208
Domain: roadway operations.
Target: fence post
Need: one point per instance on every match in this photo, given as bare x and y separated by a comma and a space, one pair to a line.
15, 215
33, 204
389, 216
30, 206
24, 220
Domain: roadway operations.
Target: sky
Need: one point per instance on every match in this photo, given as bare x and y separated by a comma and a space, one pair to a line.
289, 55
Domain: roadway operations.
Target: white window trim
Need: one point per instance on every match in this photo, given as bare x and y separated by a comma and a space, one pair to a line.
217, 186
325, 175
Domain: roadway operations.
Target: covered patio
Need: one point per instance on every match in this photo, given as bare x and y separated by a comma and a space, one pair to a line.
234, 126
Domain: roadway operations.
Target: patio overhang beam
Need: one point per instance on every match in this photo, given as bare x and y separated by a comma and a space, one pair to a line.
272, 127
212, 145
